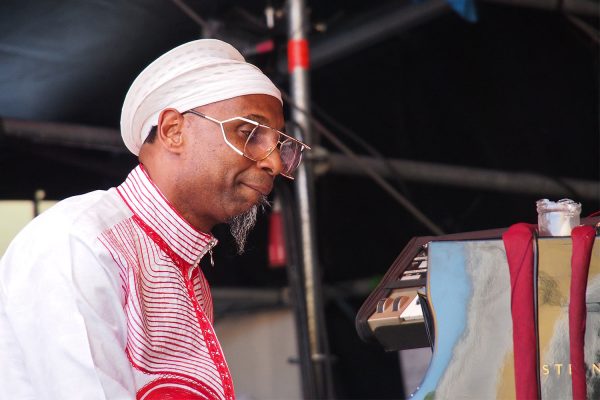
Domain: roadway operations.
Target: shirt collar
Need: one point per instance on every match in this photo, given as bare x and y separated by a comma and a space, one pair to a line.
146, 201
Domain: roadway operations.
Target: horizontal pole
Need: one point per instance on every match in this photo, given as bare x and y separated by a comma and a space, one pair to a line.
247, 295
470, 177
106, 139
66, 135
281, 296
579, 7
379, 24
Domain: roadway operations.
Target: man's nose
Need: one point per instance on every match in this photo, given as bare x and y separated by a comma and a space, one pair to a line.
271, 164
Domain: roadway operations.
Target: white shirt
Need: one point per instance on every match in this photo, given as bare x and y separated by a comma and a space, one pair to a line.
101, 297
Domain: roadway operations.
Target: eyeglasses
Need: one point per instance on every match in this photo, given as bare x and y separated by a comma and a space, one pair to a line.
257, 141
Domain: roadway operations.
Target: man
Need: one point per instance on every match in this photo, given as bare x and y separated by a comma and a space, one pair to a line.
101, 296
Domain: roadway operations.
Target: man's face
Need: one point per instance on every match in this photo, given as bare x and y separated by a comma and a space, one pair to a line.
215, 183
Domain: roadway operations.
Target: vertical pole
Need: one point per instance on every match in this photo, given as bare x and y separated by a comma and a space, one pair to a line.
298, 64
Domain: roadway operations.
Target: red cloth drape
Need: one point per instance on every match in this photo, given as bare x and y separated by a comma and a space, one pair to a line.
583, 241
519, 242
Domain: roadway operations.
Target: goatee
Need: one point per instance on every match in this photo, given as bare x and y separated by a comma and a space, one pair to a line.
241, 225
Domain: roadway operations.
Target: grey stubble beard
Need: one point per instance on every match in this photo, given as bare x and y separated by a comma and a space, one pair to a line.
241, 225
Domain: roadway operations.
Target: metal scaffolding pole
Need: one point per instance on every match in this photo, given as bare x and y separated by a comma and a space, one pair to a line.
469, 177
65, 135
298, 63
580, 7
370, 28
105, 139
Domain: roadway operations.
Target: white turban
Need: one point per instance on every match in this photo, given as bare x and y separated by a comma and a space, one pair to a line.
191, 75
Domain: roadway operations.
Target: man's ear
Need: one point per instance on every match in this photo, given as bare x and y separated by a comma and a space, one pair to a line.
169, 130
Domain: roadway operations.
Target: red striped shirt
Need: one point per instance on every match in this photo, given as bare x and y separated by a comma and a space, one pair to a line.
167, 299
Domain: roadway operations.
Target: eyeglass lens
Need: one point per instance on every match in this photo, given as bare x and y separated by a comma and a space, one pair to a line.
257, 142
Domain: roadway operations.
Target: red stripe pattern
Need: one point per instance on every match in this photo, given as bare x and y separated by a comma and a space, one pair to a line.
167, 299
520, 246
583, 242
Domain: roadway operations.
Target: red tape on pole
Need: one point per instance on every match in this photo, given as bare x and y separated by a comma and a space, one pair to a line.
297, 54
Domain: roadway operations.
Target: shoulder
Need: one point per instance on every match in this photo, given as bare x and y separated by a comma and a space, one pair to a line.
63, 240
83, 217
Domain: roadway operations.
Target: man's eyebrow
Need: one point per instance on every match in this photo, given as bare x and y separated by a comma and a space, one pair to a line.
261, 119
257, 118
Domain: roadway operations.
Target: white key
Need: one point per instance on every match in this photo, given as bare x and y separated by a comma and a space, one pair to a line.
413, 311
